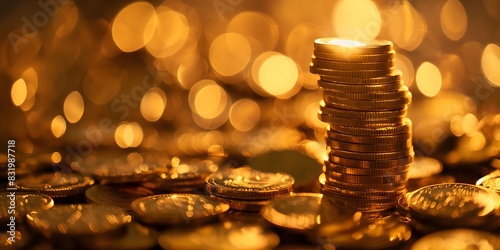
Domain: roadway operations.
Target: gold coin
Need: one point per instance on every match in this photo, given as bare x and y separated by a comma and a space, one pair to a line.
351, 73
367, 94
341, 46
365, 179
368, 105
371, 164
20, 204
361, 89
55, 185
364, 186
177, 209
296, 212
405, 128
363, 114
345, 57
248, 184
342, 65
460, 239
365, 171
404, 152
393, 78
365, 123
363, 193
455, 205
78, 220
366, 148
382, 139
491, 181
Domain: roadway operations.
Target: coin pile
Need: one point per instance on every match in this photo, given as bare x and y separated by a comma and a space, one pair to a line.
369, 137
247, 189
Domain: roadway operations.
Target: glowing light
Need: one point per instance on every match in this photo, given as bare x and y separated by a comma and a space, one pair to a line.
19, 92
492, 7
208, 99
73, 107
405, 65
128, 135
276, 74
244, 114
358, 19
65, 20
55, 157
229, 54
30, 77
469, 124
153, 104
490, 63
58, 126
453, 19
170, 35
256, 25
134, 26
97, 79
428, 79
407, 27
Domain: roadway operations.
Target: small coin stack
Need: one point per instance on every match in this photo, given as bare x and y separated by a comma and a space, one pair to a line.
246, 189
369, 137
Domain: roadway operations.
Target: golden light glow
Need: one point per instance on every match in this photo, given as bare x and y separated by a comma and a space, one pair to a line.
97, 79
244, 114
73, 107
18, 92
170, 35
276, 74
30, 77
65, 20
255, 25
490, 63
58, 126
153, 104
128, 135
192, 69
134, 26
207, 99
492, 7
229, 54
405, 65
453, 19
407, 27
55, 157
357, 19
469, 123
428, 79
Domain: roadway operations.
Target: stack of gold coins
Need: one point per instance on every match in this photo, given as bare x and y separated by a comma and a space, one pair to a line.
369, 137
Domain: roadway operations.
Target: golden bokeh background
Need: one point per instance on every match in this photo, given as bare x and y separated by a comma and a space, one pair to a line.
198, 77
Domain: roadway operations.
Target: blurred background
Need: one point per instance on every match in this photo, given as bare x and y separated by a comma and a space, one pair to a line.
231, 77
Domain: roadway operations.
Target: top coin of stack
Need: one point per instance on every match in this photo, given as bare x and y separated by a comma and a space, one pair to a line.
369, 138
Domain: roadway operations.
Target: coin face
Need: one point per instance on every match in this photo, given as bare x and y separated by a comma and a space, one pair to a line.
57, 184
78, 220
457, 239
249, 184
177, 209
296, 212
455, 204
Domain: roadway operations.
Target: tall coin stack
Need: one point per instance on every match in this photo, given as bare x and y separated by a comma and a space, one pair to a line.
369, 137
